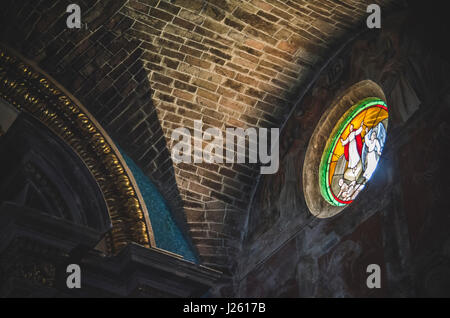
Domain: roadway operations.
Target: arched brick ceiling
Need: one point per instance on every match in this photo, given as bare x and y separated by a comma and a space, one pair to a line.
146, 67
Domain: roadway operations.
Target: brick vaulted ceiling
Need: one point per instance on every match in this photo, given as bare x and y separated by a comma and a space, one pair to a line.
146, 67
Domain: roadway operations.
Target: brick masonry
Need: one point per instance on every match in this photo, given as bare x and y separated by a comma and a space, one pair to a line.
146, 67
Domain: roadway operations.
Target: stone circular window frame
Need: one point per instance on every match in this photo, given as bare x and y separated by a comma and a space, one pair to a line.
316, 203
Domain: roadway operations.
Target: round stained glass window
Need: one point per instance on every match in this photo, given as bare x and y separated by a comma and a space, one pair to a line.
353, 150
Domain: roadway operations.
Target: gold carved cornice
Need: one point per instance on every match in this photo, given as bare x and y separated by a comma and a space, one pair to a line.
29, 89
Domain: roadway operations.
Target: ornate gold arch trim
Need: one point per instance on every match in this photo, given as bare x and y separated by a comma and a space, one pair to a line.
29, 89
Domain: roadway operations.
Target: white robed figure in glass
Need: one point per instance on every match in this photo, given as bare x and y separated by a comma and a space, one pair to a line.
373, 145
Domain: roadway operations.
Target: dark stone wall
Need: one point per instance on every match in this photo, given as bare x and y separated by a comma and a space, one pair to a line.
400, 220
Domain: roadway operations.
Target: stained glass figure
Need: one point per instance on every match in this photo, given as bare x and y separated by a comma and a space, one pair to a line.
353, 150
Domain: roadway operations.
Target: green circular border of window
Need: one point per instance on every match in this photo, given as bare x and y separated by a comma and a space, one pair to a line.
346, 119
335, 118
